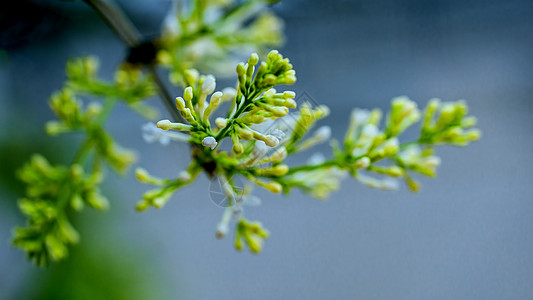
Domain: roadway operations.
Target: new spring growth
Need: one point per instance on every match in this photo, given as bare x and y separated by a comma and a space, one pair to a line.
373, 156
215, 33
205, 37
250, 233
51, 192
446, 123
54, 192
367, 149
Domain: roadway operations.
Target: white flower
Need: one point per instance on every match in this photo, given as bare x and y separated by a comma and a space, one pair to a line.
279, 134
359, 116
209, 142
323, 133
369, 131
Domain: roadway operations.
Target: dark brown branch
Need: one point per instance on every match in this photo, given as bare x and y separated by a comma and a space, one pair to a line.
117, 20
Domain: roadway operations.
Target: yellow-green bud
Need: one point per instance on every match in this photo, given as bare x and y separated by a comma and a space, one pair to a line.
362, 163
142, 205
240, 69
278, 170
473, 135
395, 171
187, 93
166, 125
253, 60
180, 103
271, 140
289, 95
391, 147
221, 122
142, 175
274, 187
191, 76
237, 147
245, 133
270, 79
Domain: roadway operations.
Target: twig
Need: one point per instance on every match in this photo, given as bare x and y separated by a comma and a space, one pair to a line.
119, 22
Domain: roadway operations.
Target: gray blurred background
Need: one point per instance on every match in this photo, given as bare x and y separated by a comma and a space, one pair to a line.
466, 235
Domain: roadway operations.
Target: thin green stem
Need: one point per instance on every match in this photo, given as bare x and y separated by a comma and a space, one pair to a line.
83, 151
326, 164
109, 104
223, 133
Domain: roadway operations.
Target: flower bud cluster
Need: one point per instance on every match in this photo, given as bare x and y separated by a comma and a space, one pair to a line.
254, 102
259, 154
403, 113
304, 120
51, 191
318, 183
419, 160
69, 111
130, 83
451, 126
158, 197
210, 35
250, 233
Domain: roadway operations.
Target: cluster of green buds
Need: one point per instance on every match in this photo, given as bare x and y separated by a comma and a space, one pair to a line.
51, 192
254, 102
213, 35
366, 148
252, 233
209, 35
449, 127
130, 84
263, 134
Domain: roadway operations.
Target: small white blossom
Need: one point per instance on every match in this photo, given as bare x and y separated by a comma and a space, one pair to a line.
209, 142
370, 131
323, 133
222, 229
360, 116
260, 150
279, 134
